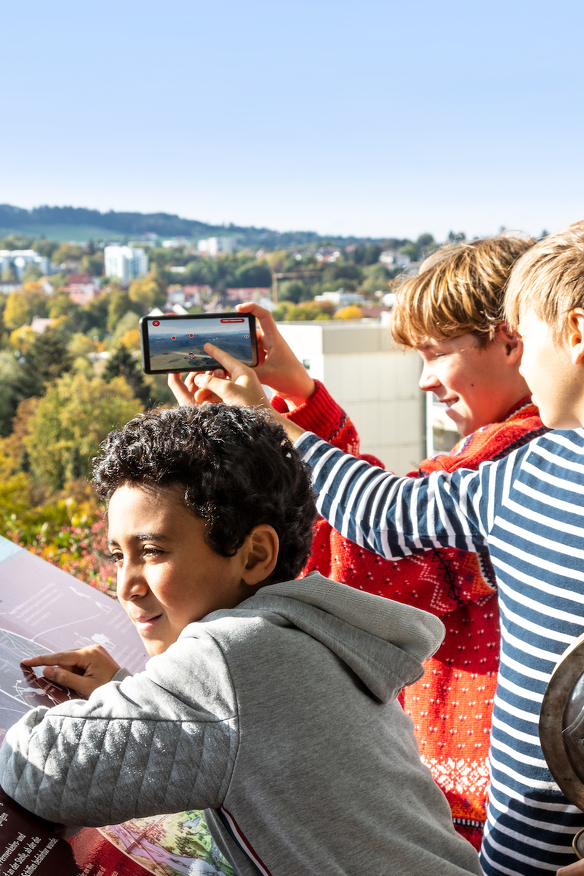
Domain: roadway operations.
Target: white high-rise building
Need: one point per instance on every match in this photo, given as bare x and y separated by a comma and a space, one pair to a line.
125, 262
212, 246
19, 259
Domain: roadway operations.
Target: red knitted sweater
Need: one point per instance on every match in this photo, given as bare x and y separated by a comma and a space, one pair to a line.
451, 705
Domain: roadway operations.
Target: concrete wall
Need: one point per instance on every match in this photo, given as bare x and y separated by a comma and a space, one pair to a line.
372, 379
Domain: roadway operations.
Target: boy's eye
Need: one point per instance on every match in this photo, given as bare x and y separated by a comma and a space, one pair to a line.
152, 552
116, 557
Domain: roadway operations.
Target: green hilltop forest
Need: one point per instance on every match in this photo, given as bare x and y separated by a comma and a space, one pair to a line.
80, 223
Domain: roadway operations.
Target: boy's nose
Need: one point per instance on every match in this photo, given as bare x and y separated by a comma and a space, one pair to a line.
428, 379
130, 582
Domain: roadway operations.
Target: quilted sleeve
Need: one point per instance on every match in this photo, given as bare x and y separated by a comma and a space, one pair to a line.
161, 741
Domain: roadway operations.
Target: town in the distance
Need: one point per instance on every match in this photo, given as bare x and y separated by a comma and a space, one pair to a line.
74, 284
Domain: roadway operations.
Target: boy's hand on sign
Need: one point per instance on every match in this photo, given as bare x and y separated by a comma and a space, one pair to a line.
278, 367
83, 670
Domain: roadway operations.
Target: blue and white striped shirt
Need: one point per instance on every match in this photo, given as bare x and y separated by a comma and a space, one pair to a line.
527, 510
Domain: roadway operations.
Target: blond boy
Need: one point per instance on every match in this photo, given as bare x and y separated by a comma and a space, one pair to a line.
526, 510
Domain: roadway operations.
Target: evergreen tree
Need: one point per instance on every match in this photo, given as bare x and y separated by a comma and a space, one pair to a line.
75, 470
47, 359
24, 463
121, 363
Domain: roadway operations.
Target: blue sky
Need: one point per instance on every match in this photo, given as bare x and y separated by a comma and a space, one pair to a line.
370, 118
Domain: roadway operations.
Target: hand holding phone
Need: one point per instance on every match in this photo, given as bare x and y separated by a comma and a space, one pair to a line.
173, 344
278, 367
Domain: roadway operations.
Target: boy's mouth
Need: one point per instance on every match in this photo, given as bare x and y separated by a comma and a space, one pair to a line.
449, 402
145, 622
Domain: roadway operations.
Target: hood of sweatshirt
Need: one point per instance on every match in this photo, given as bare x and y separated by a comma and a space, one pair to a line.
383, 642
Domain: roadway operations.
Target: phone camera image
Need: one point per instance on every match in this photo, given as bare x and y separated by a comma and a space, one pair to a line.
176, 343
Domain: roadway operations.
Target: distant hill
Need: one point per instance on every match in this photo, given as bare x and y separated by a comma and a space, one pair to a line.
79, 223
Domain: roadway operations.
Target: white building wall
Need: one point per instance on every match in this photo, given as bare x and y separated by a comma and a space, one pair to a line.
213, 246
18, 259
125, 262
373, 380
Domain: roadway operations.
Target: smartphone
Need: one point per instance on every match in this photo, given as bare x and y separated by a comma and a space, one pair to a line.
175, 343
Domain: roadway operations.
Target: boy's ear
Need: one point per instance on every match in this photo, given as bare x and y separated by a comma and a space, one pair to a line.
512, 343
260, 554
576, 335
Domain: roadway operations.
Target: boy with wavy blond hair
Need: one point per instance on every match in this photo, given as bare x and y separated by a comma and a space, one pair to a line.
526, 510
459, 289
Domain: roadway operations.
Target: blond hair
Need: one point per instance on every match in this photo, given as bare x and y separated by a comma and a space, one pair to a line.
459, 289
549, 279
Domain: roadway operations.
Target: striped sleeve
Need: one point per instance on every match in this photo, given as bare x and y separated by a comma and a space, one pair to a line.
395, 516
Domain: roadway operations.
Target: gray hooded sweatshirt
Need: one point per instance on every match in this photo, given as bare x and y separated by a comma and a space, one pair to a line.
278, 718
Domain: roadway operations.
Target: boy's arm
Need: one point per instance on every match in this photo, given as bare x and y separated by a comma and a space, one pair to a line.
394, 516
164, 740
321, 414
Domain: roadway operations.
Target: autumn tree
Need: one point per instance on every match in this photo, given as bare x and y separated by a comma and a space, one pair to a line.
351, 311
307, 310
16, 312
119, 303
149, 291
70, 422
128, 322
22, 339
61, 304
24, 304
67, 251
93, 264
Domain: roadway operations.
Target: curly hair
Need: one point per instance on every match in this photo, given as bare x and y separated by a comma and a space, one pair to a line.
459, 289
235, 468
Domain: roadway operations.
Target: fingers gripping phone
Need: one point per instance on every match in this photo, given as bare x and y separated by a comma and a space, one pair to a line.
175, 343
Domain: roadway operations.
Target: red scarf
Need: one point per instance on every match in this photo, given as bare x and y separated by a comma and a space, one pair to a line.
521, 424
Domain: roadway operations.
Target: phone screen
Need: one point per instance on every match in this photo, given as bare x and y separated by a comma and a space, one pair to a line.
175, 343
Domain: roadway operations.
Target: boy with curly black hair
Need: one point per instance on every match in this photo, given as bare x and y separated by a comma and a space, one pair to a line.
268, 702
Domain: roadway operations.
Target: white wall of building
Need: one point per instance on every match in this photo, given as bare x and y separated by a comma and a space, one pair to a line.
441, 433
375, 381
125, 262
213, 246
